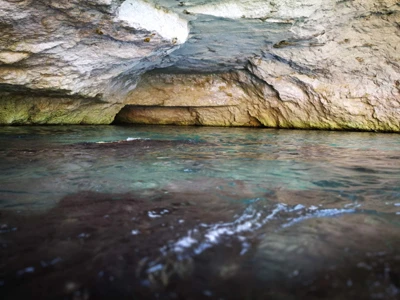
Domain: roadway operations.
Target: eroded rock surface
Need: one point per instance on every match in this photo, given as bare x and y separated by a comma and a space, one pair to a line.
289, 64
87, 51
183, 99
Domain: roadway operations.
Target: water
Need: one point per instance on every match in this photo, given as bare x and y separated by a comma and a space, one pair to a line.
198, 213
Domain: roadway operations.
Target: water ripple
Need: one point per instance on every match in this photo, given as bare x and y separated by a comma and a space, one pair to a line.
205, 236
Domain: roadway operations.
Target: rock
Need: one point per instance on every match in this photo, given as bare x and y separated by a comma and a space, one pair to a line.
333, 254
182, 99
85, 53
286, 64
21, 109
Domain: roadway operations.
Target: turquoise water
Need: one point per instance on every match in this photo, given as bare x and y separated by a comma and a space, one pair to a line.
196, 213
40, 165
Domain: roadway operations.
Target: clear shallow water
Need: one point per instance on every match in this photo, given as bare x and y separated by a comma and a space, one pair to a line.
195, 213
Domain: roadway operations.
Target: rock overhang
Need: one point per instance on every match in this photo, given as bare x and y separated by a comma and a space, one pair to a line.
323, 64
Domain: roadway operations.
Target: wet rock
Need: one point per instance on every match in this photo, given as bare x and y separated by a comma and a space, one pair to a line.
102, 245
338, 257
302, 64
74, 247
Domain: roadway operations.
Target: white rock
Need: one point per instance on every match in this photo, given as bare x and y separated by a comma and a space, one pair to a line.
141, 14
282, 63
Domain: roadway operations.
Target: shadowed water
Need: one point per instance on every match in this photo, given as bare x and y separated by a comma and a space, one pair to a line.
198, 213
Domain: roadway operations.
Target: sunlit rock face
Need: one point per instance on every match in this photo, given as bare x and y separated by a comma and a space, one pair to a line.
86, 53
283, 63
193, 99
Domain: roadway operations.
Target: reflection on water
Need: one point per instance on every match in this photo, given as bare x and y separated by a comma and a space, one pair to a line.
198, 213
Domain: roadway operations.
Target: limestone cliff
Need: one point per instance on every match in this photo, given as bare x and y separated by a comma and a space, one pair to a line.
283, 63
73, 61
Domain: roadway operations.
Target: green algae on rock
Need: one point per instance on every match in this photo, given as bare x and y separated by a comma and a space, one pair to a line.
18, 109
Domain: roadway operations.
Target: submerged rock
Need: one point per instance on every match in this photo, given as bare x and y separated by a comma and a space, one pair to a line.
111, 245
286, 64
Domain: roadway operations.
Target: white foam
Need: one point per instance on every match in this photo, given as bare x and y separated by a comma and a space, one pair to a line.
155, 268
83, 235
323, 213
29, 270
56, 261
153, 215
26, 270
205, 236
298, 207
184, 243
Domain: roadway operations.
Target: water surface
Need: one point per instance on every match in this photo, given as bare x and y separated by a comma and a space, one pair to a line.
198, 213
